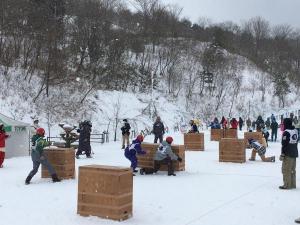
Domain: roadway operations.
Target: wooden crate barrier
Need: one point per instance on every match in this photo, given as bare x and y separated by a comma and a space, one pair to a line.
216, 134
147, 160
254, 135
232, 150
62, 160
105, 191
230, 133
194, 141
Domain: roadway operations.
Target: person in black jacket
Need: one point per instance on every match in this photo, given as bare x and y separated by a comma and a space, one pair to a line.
85, 129
274, 129
158, 130
125, 133
241, 123
289, 153
260, 123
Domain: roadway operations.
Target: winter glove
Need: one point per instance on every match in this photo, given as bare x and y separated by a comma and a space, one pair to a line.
281, 158
179, 159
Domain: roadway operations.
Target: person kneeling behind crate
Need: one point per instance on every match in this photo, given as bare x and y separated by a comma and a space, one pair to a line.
164, 155
261, 150
133, 149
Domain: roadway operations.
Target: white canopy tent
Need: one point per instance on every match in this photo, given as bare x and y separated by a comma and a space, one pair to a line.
18, 144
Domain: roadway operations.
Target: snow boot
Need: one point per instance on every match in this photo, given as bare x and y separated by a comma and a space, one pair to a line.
142, 171
273, 159
251, 159
55, 178
283, 187
123, 146
297, 220
28, 179
172, 174
89, 157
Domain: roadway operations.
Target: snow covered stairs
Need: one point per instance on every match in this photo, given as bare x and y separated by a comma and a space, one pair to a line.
105, 191
62, 160
147, 160
194, 141
232, 150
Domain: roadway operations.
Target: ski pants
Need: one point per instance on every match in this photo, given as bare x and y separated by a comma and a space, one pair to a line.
289, 172
160, 137
37, 160
274, 135
132, 158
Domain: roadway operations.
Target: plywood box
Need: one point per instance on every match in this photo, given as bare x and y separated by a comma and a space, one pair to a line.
194, 141
62, 160
230, 133
232, 150
105, 191
254, 135
216, 134
147, 160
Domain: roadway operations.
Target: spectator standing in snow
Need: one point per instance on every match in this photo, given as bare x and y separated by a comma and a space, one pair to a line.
163, 156
85, 129
34, 127
259, 123
223, 123
289, 153
215, 124
268, 123
253, 125
158, 130
234, 123
3, 137
194, 128
297, 126
38, 157
241, 123
132, 150
266, 134
248, 123
125, 133
274, 129
261, 150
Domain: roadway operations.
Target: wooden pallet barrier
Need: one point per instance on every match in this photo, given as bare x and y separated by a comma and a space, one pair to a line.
105, 191
254, 135
232, 150
230, 133
62, 160
147, 161
216, 134
194, 141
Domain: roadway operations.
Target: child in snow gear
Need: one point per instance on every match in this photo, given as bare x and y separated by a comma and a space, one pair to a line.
85, 129
3, 137
241, 123
194, 128
274, 129
261, 150
132, 150
289, 153
125, 133
68, 136
158, 130
38, 157
164, 155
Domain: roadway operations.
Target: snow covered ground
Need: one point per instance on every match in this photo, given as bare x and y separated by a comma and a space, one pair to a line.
208, 192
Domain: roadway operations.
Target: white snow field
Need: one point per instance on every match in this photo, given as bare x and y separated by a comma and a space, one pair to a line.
208, 192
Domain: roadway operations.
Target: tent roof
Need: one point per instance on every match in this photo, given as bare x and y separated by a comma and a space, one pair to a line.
11, 122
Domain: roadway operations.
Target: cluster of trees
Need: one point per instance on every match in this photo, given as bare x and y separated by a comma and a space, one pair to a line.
104, 45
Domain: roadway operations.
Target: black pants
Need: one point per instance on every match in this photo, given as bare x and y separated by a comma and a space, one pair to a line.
158, 163
160, 137
274, 135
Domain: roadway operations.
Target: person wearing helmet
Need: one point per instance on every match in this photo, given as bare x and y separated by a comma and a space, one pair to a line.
38, 157
163, 155
289, 153
261, 150
133, 149
3, 137
194, 128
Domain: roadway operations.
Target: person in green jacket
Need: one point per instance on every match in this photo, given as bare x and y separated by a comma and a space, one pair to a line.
38, 157
163, 155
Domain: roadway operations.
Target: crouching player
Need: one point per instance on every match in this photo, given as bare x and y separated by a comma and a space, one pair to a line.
132, 150
164, 155
261, 150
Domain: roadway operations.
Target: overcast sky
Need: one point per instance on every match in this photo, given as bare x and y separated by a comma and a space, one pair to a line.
275, 11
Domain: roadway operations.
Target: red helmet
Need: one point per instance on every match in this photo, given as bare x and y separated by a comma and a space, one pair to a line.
140, 138
40, 131
169, 140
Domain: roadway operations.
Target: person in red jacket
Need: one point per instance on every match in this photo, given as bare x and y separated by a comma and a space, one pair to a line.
224, 122
234, 123
3, 136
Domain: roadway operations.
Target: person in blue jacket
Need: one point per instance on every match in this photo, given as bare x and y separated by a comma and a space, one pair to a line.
215, 124
132, 150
